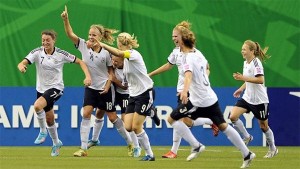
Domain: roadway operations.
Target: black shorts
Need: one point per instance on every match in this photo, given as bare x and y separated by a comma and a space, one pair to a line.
212, 112
122, 101
104, 102
141, 103
260, 111
51, 96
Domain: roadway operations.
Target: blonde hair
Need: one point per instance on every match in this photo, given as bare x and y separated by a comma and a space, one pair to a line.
188, 36
128, 40
258, 52
106, 33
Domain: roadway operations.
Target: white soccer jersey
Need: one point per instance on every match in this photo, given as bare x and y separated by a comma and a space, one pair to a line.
175, 58
49, 68
201, 93
120, 76
254, 93
97, 64
135, 72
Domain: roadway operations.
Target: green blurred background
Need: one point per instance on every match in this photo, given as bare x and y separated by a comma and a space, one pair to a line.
221, 27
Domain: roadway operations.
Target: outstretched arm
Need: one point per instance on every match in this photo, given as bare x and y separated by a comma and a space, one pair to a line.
68, 28
163, 68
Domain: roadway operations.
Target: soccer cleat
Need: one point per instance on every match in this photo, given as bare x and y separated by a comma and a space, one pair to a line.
80, 153
248, 140
137, 151
92, 143
247, 160
215, 129
56, 149
41, 138
271, 154
148, 158
169, 154
154, 116
195, 152
130, 150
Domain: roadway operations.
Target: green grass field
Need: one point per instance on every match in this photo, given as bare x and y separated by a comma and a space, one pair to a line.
109, 157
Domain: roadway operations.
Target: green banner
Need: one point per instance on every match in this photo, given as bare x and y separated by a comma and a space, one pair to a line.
221, 27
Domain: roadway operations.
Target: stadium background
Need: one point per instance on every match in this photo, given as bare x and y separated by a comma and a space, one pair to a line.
221, 27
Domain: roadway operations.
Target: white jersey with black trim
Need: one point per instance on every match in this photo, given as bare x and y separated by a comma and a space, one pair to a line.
175, 58
254, 93
97, 64
201, 93
135, 72
49, 68
120, 76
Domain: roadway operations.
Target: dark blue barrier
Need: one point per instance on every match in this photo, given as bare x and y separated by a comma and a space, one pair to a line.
19, 127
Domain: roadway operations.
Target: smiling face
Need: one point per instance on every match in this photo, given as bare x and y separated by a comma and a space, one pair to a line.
175, 37
117, 62
94, 33
246, 52
48, 42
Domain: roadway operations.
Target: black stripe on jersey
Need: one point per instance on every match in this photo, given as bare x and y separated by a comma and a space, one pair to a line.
36, 49
255, 62
28, 61
62, 52
170, 62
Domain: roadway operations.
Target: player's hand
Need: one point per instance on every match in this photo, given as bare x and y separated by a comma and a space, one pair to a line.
238, 76
237, 93
87, 81
64, 14
22, 68
184, 97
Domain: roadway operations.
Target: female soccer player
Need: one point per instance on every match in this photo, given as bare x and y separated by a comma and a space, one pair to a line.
100, 94
140, 87
49, 61
202, 100
255, 97
175, 58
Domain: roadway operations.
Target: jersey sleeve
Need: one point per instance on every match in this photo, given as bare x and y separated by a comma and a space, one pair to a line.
81, 45
172, 57
33, 55
187, 64
258, 68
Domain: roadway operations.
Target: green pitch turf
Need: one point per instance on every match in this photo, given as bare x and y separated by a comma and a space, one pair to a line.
115, 157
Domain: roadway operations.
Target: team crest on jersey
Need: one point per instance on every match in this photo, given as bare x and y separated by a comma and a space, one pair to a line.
258, 70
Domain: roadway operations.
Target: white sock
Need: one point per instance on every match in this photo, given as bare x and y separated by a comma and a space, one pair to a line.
98, 125
134, 139
85, 128
122, 131
270, 139
53, 134
186, 133
236, 140
202, 121
145, 143
239, 126
176, 141
41, 116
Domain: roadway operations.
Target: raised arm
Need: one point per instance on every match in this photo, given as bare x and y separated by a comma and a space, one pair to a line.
68, 28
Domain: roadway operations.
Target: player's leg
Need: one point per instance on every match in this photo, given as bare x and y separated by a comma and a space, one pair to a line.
269, 137
236, 112
39, 105
98, 125
137, 127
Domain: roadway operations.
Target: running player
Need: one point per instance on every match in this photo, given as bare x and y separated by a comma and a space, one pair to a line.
100, 93
49, 61
201, 100
175, 58
140, 87
255, 97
